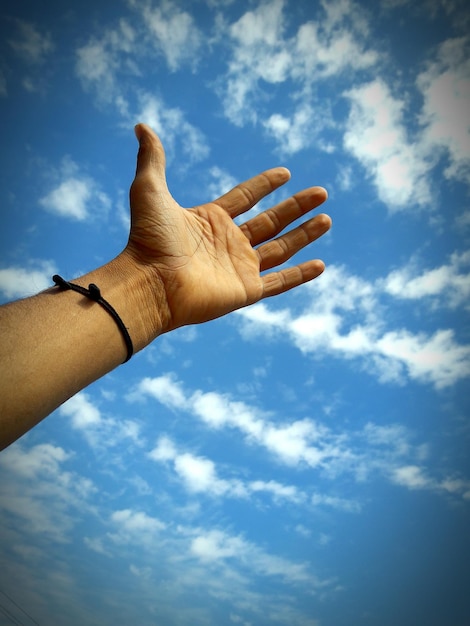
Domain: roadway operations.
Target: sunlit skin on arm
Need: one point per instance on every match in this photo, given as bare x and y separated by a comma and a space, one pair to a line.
180, 266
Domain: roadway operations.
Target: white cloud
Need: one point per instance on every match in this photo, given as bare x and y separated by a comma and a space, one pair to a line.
258, 53
279, 491
75, 194
107, 64
100, 62
377, 137
437, 358
293, 442
42, 459
415, 477
336, 502
172, 127
140, 572
262, 57
333, 45
96, 544
69, 199
99, 431
173, 32
448, 282
344, 178
200, 475
19, 282
41, 494
31, 45
303, 443
82, 412
95, 64
373, 450
445, 85
165, 450
393, 437
410, 476
166, 389
264, 25
220, 182
136, 522
135, 527
345, 317
217, 410
297, 132
216, 545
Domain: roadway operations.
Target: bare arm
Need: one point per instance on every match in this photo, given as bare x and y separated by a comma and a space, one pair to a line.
180, 267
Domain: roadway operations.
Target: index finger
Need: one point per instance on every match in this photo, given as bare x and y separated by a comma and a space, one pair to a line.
245, 195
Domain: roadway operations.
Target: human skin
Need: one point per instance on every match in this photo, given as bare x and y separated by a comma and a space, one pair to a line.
179, 267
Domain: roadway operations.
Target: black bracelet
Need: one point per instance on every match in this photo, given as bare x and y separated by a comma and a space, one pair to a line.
93, 293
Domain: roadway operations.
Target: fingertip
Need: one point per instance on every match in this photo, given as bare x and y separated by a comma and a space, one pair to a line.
285, 173
143, 131
138, 131
322, 192
312, 269
278, 176
325, 220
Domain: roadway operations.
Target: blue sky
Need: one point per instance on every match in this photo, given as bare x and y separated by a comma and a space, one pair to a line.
301, 462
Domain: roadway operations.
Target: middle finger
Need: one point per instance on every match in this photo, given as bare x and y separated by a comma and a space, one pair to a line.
279, 250
270, 223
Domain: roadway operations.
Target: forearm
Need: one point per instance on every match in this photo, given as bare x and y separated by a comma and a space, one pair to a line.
56, 343
179, 267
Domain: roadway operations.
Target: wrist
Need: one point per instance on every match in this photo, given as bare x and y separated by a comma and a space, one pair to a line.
138, 298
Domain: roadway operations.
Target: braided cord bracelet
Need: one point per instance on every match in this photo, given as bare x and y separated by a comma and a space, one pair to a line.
93, 293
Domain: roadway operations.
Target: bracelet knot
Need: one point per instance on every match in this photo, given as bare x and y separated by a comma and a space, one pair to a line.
94, 293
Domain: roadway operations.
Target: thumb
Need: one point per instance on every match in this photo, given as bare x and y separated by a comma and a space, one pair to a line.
151, 156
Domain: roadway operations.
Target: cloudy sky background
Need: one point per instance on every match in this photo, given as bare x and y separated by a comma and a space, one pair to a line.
303, 461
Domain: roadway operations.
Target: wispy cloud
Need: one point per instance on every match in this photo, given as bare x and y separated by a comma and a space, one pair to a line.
262, 56
102, 61
134, 527
373, 449
30, 44
300, 442
446, 285
445, 86
108, 64
177, 134
219, 182
173, 32
217, 545
415, 478
342, 317
200, 475
100, 431
22, 281
376, 135
74, 194
41, 495
299, 131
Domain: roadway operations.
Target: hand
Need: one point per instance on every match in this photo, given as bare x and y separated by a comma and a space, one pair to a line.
200, 264
180, 266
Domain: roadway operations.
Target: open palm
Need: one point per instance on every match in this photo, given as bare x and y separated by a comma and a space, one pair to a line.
206, 265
